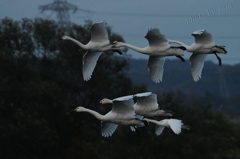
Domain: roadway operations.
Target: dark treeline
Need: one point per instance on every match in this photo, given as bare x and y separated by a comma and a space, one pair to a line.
41, 81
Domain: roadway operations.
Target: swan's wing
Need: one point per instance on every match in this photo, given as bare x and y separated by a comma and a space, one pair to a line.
155, 38
175, 125
123, 105
159, 129
147, 99
132, 128
140, 117
99, 32
155, 67
203, 37
197, 63
108, 128
89, 63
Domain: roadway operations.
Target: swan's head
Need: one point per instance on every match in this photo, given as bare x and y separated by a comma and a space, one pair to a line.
64, 37
79, 109
114, 44
117, 44
106, 101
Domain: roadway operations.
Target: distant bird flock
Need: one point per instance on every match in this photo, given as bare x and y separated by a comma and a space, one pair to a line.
124, 110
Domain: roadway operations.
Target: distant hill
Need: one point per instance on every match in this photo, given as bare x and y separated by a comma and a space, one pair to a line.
218, 80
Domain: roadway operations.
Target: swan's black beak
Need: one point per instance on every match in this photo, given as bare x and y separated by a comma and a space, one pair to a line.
73, 110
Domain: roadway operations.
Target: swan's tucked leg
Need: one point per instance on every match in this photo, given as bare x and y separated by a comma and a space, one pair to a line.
118, 51
219, 59
181, 58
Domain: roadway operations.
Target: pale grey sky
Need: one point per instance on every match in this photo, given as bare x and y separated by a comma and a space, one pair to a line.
132, 18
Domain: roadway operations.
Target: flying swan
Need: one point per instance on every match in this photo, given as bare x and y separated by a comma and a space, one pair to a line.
147, 106
99, 43
202, 46
157, 49
121, 113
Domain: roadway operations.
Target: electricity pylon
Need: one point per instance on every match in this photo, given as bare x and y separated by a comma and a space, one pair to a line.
62, 8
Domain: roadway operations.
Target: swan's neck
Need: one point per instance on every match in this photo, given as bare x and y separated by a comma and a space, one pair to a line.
179, 42
135, 48
152, 121
94, 113
157, 122
78, 43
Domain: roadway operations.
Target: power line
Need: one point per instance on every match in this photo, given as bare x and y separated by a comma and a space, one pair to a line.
182, 37
158, 15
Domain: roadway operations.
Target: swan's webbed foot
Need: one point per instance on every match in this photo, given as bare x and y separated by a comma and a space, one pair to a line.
118, 51
181, 58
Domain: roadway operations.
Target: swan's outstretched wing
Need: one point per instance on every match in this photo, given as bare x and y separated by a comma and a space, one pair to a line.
155, 67
99, 32
155, 38
159, 129
202, 36
146, 100
89, 63
132, 128
123, 105
108, 128
175, 125
197, 63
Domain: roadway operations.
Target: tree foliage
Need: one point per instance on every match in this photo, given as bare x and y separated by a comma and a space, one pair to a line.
41, 81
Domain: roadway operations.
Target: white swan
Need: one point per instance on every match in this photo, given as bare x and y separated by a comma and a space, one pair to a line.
175, 124
99, 43
121, 113
202, 46
157, 49
147, 106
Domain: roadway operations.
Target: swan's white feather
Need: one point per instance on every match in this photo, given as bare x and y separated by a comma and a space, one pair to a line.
197, 63
123, 105
202, 37
159, 129
155, 67
155, 38
89, 63
175, 125
132, 128
108, 128
146, 100
99, 32
145, 94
